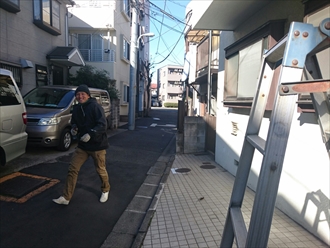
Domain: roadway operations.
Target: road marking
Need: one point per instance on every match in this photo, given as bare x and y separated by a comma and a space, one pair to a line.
153, 125
142, 127
167, 125
51, 182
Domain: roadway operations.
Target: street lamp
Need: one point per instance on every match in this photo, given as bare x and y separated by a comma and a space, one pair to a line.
132, 80
146, 35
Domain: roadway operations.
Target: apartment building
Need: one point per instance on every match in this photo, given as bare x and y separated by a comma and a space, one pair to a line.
246, 30
34, 42
170, 85
102, 32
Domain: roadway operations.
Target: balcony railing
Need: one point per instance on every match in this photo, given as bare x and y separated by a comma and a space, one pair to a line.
175, 90
98, 55
203, 55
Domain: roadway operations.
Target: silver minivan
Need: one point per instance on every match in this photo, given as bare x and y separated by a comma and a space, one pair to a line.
12, 119
49, 110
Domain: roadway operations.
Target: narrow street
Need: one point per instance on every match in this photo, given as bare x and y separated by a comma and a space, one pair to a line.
29, 218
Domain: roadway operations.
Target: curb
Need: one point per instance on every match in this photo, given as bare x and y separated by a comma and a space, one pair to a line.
132, 226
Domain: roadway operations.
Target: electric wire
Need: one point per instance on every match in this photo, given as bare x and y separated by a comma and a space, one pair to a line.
189, 13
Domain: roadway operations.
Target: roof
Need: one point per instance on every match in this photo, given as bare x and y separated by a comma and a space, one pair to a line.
69, 56
222, 14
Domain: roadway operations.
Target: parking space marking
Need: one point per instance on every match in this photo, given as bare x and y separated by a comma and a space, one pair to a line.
51, 182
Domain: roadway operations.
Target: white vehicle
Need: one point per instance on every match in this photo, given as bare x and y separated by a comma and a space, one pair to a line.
13, 119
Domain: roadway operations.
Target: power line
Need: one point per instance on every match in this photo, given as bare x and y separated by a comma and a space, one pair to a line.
169, 15
161, 27
188, 14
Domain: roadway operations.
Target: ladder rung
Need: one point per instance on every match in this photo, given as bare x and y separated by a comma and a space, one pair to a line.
257, 142
238, 226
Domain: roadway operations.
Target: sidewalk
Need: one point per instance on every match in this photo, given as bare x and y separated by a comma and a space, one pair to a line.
192, 209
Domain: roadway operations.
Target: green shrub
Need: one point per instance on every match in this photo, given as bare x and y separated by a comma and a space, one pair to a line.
171, 104
92, 77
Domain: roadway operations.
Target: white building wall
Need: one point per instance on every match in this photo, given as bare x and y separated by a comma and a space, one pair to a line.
304, 187
164, 77
108, 18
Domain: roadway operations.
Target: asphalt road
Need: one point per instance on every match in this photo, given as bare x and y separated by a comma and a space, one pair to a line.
28, 216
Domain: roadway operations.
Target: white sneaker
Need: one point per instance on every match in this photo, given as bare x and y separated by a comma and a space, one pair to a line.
61, 200
104, 196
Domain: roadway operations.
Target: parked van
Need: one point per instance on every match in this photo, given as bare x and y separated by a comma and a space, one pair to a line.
49, 110
13, 137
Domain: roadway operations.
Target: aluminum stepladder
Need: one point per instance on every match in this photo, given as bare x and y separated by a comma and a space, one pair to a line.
291, 53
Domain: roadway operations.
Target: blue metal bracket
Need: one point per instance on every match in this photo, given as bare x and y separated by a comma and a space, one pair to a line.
302, 39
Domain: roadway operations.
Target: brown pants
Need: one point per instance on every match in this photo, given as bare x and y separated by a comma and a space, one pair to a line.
79, 157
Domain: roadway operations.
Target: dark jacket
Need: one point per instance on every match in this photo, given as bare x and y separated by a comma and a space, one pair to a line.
89, 118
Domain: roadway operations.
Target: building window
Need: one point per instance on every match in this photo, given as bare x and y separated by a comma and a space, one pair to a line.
91, 47
125, 49
242, 71
243, 63
124, 88
10, 5
47, 15
125, 93
17, 72
126, 8
41, 75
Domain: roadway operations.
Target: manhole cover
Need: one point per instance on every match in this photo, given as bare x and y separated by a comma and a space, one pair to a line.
207, 166
182, 170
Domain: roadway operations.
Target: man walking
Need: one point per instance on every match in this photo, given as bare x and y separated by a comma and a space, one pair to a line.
90, 125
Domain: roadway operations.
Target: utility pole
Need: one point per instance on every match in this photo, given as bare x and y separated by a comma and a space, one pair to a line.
133, 65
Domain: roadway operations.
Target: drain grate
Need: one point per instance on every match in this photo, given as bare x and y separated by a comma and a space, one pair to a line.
207, 166
182, 170
20, 187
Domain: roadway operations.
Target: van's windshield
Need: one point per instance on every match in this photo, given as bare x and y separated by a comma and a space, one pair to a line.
8, 94
49, 98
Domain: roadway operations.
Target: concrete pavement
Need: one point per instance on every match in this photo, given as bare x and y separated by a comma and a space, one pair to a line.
192, 209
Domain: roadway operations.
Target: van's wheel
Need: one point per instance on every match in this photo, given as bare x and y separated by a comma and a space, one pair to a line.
65, 140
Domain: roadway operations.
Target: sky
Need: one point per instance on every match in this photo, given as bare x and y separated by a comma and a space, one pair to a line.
167, 18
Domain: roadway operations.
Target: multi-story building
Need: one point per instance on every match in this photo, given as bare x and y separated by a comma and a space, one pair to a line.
170, 85
102, 32
246, 31
34, 42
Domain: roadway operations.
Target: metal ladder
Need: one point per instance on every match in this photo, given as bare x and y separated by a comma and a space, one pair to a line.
292, 53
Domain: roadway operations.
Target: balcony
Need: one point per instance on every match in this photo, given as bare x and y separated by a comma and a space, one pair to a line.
203, 55
98, 55
90, 18
175, 90
174, 76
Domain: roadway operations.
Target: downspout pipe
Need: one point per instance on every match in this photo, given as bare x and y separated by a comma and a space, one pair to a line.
209, 76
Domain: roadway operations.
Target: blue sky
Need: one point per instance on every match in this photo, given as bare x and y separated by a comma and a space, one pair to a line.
167, 46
